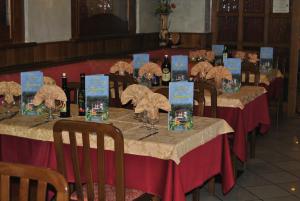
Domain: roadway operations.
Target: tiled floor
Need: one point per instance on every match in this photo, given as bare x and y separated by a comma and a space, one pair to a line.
274, 175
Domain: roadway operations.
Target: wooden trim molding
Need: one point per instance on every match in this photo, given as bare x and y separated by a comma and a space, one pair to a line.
294, 58
23, 57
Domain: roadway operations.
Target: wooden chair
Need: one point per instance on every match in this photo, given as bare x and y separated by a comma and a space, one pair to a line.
74, 88
202, 85
248, 69
28, 173
93, 191
117, 84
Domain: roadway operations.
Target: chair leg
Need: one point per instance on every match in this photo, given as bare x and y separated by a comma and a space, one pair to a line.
211, 186
252, 143
196, 194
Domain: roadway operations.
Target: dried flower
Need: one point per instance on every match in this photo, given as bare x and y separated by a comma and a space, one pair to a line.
165, 7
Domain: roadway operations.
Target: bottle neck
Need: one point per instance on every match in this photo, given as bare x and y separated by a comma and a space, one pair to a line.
166, 61
82, 82
64, 82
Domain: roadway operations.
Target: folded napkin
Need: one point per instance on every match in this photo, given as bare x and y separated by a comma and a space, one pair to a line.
207, 55
210, 56
134, 93
201, 69
149, 70
122, 67
9, 90
49, 94
49, 81
197, 54
218, 73
240, 54
152, 103
252, 57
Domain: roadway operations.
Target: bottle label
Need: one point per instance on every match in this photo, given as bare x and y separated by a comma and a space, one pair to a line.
225, 56
166, 76
64, 108
81, 103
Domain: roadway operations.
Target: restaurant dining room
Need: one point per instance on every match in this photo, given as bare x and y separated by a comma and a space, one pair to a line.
151, 100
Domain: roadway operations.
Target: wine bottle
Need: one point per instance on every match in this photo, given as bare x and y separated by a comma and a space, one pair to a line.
81, 96
225, 53
166, 71
65, 111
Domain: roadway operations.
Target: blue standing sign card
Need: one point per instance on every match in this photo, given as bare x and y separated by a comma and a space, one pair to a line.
31, 82
266, 59
96, 98
234, 66
179, 68
181, 96
138, 61
218, 50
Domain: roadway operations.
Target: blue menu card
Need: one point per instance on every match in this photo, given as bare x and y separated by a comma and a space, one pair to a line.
138, 61
234, 66
218, 50
266, 59
31, 82
179, 68
96, 98
181, 96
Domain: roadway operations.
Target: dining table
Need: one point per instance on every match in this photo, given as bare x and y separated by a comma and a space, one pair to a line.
165, 163
245, 111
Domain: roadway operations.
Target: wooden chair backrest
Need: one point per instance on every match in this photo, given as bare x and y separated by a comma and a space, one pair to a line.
74, 88
248, 69
86, 129
119, 82
200, 86
26, 173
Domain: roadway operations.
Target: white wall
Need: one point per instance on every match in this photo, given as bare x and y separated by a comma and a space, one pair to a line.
146, 20
191, 16
47, 20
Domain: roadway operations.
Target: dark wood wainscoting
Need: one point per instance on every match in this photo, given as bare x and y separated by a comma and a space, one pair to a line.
195, 40
22, 57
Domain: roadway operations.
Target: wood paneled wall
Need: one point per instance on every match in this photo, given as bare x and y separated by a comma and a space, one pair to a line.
195, 40
20, 57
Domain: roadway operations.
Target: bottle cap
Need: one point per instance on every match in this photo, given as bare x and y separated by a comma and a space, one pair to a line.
166, 55
64, 74
82, 74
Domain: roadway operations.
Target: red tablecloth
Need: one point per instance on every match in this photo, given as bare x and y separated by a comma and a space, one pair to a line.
275, 89
255, 114
160, 177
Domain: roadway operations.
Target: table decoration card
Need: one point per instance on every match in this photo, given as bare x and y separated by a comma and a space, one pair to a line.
266, 59
96, 99
234, 66
31, 82
218, 50
181, 96
179, 68
138, 61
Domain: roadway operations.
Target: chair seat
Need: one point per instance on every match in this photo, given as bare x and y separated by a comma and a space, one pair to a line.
110, 193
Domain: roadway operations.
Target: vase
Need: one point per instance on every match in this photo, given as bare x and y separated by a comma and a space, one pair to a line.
164, 32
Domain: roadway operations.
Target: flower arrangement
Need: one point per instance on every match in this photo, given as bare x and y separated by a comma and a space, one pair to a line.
165, 7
